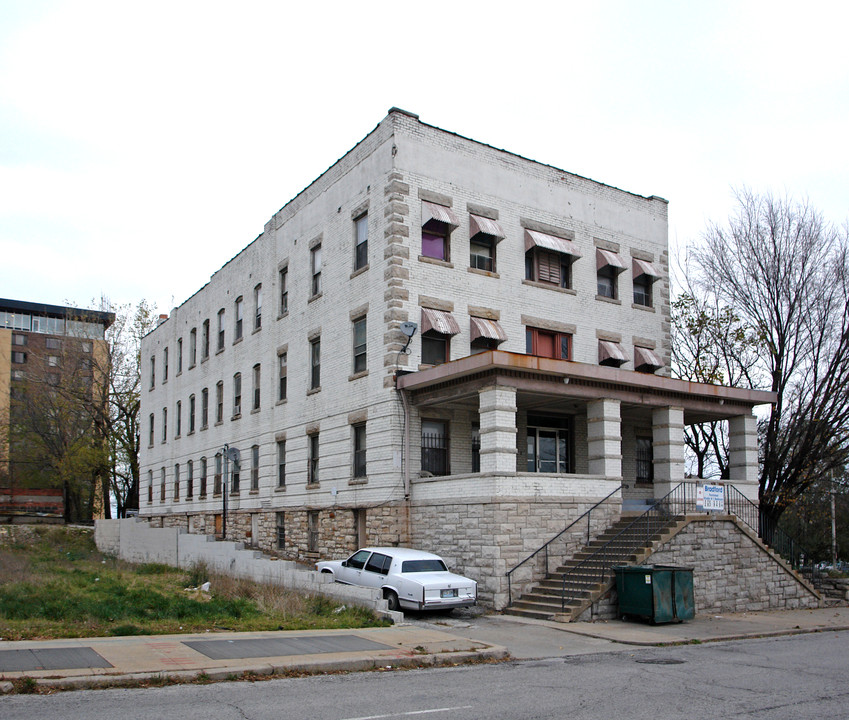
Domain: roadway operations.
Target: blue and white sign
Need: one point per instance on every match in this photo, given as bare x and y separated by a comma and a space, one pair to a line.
711, 497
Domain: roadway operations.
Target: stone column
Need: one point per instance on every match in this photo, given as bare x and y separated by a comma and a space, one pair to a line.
743, 454
498, 429
668, 448
604, 438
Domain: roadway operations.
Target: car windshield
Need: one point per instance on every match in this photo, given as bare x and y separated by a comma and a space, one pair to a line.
434, 565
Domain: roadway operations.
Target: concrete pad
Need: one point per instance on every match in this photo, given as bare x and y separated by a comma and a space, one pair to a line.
50, 659
278, 647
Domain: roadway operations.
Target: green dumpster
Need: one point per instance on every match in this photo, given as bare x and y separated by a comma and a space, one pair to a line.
661, 593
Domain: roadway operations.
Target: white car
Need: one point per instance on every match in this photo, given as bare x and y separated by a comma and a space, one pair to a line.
409, 578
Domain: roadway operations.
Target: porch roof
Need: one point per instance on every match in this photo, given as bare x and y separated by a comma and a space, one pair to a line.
561, 381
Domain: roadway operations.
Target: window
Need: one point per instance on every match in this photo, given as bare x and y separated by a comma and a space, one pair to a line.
237, 479
361, 241
550, 268
203, 477
284, 290
219, 402
190, 480
18, 375
221, 330
312, 531
281, 463
646, 360
19, 340
484, 335
237, 394
437, 223
645, 460
258, 307
191, 414
609, 265
359, 345
255, 467
315, 364
150, 431
52, 343
435, 447
256, 387
435, 348
193, 347
152, 371
164, 424
312, 459
150, 486
549, 445
179, 355
315, 271
204, 340
216, 481
281, 530
19, 357
281, 373
204, 408
476, 447
606, 284
359, 450
611, 353
239, 309
53, 361
482, 252
179, 418
165, 365
86, 347
642, 291
53, 379
547, 343
162, 485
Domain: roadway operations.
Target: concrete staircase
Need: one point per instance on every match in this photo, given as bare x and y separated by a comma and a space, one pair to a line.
587, 576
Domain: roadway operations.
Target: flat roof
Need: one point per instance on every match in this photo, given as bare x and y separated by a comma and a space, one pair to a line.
43, 309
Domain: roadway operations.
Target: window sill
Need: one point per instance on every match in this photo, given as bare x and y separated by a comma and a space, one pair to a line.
285, 313
436, 261
358, 481
548, 286
204, 427
203, 360
191, 432
256, 330
315, 297
219, 351
357, 376
485, 273
313, 486
280, 488
235, 416
282, 402
645, 308
255, 410
253, 492
612, 301
219, 422
216, 495
313, 391
359, 271
201, 497
178, 373
192, 366
238, 340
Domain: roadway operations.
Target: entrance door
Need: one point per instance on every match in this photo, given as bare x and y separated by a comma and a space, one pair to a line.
549, 448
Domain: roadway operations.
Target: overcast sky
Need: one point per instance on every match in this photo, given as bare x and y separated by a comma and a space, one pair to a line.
142, 145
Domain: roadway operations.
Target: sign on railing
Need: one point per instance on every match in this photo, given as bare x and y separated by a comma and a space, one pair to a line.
710, 497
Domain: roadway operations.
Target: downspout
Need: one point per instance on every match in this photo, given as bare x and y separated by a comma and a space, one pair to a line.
406, 443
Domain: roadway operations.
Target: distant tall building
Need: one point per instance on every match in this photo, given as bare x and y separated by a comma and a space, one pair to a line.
51, 363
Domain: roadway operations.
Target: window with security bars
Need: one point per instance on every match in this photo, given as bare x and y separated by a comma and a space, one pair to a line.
645, 460
435, 447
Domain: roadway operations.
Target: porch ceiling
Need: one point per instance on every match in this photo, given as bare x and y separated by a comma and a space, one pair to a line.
544, 384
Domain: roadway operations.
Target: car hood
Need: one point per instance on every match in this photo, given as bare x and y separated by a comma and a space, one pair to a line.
442, 579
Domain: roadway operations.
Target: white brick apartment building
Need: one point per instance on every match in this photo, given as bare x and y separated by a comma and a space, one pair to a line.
537, 381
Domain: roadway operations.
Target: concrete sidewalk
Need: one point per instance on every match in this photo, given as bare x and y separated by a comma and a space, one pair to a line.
103, 662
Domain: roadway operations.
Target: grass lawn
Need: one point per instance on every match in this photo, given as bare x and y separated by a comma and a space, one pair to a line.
55, 584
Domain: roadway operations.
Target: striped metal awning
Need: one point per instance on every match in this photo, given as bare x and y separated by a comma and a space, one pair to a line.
609, 259
611, 352
641, 267
439, 321
489, 329
643, 357
533, 238
478, 224
432, 211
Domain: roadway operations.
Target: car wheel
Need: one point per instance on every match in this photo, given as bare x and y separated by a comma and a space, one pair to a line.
391, 598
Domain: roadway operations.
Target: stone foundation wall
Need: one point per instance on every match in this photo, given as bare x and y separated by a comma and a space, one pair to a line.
732, 572
483, 540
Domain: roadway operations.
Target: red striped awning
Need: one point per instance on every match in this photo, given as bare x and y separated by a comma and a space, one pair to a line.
609, 259
611, 352
439, 321
534, 238
432, 211
489, 329
641, 267
478, 224
645, 358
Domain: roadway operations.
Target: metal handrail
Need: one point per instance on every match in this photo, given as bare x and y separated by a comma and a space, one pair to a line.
671, 505
587, 515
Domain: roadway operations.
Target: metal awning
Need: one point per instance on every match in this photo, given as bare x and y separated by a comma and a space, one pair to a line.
439, 321
609, 259
489, 329
611, 351
432, 211
478, 224
643, 357
534, 238
641, 267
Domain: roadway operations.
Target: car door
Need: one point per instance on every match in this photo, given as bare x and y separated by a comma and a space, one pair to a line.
374, 572
352, 569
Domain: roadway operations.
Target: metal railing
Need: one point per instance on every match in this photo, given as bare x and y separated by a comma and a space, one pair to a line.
544, 548
637, 534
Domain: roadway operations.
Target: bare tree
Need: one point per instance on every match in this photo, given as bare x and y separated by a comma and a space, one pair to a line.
784, 272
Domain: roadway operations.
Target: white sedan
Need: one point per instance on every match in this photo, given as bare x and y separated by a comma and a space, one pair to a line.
409, 578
